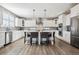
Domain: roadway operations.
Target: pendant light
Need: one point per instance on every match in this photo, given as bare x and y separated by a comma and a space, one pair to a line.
34, 13
45, 13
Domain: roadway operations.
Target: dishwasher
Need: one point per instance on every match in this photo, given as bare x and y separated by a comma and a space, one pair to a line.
8, 38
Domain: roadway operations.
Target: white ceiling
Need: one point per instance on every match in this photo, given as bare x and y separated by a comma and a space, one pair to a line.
26, 9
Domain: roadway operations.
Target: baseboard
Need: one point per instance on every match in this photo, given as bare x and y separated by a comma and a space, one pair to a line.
14, 41
7, 44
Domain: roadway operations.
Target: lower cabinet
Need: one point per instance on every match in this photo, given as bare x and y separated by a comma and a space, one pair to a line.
17, 35
67, 36
2, 39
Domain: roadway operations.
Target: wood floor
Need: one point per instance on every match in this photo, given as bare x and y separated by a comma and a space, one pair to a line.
19, 48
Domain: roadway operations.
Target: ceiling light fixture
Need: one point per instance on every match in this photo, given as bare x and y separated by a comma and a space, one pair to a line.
45, 13
34, 13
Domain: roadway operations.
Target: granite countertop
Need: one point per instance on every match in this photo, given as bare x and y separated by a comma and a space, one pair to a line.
27, 29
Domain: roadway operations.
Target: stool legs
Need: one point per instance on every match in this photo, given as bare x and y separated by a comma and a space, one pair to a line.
47, 41
36, 41
31, 40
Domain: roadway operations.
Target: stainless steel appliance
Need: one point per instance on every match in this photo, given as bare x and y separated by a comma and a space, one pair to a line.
75, 32
8, 37
60, 29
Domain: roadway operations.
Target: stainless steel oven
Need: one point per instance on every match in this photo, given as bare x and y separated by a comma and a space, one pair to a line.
60, 29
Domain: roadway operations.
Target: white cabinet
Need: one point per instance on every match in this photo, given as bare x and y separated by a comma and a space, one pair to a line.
2, 38
18, 22
54, 23
66, 36
0, 15
68, 20
48, 23
12, 20
61, 18
17, 35
7, 18
75, 11
30, 23
65, 19
7, 38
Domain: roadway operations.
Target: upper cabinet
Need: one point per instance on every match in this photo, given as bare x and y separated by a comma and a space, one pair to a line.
48, 23
0, 15
75, 11
18, 22
61, 18
55, 22
30, 23
8, 19
68, 21
12, 20
5, 18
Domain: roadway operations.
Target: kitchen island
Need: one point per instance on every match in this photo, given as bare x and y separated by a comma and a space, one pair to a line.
39, 33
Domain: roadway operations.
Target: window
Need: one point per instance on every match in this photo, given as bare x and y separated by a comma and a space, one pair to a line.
8, 19
12, 20
5, 19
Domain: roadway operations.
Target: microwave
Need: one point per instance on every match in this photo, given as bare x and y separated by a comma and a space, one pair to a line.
68, 28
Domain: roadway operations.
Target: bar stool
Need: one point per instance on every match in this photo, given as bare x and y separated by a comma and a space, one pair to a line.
34, 35
46, 35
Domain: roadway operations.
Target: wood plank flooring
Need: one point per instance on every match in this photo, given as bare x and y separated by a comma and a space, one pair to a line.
19, 48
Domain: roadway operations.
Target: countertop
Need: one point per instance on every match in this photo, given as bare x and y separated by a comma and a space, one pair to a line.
28, 30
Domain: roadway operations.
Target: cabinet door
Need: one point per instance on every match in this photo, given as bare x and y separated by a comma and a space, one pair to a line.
48, 23
68, 20
67, 38
7, 38
2, 39
30, 23
0, 15
18, 22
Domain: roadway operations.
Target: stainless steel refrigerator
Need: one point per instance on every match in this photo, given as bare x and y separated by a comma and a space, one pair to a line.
75, 32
